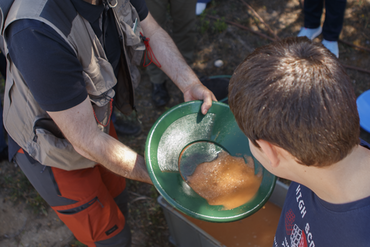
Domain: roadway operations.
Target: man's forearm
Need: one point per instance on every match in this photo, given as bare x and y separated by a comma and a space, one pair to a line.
79, 127
170, 58
174, 65
116, 157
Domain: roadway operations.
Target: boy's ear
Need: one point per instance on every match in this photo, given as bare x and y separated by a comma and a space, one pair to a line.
270, 151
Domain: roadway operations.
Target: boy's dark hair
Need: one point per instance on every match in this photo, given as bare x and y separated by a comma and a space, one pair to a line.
295, 94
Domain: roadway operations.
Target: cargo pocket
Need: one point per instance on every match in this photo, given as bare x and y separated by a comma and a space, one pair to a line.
50, 148
131, 29
99, 79
94, 219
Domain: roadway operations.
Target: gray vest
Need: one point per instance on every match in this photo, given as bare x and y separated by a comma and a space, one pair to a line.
25, 121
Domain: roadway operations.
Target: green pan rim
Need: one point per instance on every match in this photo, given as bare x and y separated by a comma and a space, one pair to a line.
173, 202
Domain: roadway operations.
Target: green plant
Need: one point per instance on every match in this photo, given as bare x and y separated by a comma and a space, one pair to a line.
203, 24
220, 25
204, 27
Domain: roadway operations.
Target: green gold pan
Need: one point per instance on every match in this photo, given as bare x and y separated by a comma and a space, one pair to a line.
182, 125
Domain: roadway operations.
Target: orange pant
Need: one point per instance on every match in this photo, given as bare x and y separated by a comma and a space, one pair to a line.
95, 216
83, 199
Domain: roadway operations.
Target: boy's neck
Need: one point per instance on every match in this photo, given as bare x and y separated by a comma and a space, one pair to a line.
342, 182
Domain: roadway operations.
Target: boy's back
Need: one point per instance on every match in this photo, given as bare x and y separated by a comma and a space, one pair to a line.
296, 104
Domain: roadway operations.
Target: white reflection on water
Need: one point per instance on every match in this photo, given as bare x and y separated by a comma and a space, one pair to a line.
187, 189
178, 135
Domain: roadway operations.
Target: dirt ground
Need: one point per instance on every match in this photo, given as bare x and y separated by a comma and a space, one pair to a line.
21, 226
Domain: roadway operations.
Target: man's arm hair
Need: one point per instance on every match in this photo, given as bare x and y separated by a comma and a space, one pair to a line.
79, 127
174, 65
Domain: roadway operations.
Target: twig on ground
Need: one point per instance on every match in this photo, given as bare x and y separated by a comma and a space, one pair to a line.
243, 27
135, 194
241, 41
141, 198
356, 46
261, 20
363, 34
356, 68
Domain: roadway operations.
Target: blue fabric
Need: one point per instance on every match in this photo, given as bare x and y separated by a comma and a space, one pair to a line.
204, 1
334, 16
306, 220
364, 144
56, 84
141, 8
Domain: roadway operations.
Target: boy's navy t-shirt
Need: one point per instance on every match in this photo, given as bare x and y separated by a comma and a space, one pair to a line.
55, 76
308, 221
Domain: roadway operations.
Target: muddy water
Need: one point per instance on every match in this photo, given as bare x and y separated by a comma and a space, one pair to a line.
226, 181
257, 230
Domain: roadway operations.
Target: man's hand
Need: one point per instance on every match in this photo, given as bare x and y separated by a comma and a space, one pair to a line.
199, 91
174, 65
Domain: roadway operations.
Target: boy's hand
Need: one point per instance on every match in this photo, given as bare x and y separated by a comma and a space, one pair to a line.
198, 91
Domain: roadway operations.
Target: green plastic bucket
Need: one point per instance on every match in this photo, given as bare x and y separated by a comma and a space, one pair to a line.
219, 85
185, 124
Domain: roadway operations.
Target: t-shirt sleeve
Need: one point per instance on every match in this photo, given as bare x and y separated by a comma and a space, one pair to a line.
141, 8
47, 63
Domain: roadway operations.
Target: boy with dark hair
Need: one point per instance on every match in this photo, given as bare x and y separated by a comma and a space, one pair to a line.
296, 104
